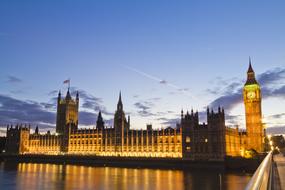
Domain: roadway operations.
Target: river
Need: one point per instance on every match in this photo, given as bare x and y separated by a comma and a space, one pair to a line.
68, 177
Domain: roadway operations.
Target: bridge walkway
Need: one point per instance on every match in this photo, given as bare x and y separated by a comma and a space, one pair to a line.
279, 172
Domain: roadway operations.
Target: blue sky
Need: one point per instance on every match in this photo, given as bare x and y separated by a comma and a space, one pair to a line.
162, 55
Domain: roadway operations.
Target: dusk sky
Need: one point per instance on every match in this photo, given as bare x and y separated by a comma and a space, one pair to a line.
162, 55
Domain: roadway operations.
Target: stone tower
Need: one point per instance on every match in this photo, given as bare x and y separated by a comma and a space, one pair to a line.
253, 115
67, 112
121, 125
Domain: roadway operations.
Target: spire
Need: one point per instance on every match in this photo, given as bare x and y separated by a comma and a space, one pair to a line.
68, 95
59, 96
100, 122
100, 118
250, 75
37, 130
77, 95
120, 98
120, 104
250, 70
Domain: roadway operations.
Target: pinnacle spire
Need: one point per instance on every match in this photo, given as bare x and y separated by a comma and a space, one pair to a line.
250, 70
250, 75
68, 96
77, 95
100, 121
120, 104
120, 97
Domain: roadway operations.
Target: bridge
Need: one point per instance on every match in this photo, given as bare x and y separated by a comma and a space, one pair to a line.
270, 175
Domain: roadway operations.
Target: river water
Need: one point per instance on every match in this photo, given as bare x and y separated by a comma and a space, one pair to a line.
52, 176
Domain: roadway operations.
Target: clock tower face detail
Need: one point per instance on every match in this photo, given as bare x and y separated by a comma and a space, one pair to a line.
253, 115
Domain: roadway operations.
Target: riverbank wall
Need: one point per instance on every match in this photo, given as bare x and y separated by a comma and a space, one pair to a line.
230, 163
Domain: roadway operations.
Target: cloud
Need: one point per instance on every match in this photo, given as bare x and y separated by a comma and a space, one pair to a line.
16, 91
232, 95
227, 101
275, 130
154, 99
277, 116
183, 89
169, 122
271, 76
13, 79
43, 114
90, 102
48, 105
142, 105
234, 120
144, 108
13, 111
53, 93
280, 92
87, 118
161, 113
135, 96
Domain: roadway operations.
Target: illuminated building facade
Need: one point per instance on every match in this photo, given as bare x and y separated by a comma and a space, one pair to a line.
67, 112
190, 140
253, 115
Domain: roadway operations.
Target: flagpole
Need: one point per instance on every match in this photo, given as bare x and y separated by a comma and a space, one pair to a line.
69, 83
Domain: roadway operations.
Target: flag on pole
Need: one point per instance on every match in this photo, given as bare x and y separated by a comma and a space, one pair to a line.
66, 81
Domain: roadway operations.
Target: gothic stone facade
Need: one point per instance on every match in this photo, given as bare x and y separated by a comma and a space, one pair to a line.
189, 140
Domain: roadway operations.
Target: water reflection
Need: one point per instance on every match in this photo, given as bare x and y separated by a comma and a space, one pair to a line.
51, 176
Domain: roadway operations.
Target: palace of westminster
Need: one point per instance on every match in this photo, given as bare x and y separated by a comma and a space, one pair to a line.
189, 140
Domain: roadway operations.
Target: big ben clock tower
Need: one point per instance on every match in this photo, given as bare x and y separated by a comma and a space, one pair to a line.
253, 115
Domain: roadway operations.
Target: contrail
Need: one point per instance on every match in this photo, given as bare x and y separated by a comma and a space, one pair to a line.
143, 74
161, 81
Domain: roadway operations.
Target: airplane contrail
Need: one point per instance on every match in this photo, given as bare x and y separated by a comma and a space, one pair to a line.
161, 81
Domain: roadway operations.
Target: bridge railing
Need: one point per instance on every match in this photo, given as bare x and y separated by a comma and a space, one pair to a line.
261, 179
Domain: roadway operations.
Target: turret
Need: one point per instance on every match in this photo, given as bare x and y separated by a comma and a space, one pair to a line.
77, 100
68, 96
77, 96
192, 119
37, 130
216, 119
100, 121
129, 121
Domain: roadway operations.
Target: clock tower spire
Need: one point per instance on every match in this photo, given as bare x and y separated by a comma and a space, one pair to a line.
253, 114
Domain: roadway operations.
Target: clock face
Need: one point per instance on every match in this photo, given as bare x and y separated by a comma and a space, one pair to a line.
250, 94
